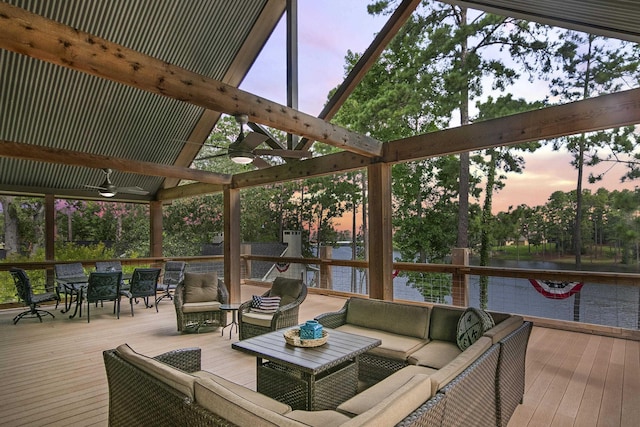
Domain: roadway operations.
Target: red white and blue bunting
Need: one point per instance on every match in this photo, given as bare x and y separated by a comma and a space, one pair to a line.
556, 289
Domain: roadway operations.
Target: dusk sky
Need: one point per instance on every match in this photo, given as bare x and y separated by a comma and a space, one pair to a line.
328, 29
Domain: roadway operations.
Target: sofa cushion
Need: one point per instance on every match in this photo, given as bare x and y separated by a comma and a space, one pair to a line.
401, 319
395, 407
200, 287
473, 323
393, 346
199, 307
235, 408
375, 394
444, 323
245, 393
175, 378
444, 375
287, 289
319, 418
504, 328
436, 354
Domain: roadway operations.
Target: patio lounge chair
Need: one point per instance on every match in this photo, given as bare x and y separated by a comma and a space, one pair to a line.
173, 276
197, 300
143, 284
25, 293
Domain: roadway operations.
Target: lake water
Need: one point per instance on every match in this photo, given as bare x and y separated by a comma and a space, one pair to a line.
599, 304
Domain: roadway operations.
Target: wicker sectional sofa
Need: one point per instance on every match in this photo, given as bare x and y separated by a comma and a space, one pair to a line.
481, 385
478, 386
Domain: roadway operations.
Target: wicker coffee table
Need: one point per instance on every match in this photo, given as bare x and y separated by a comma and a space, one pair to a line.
313, 378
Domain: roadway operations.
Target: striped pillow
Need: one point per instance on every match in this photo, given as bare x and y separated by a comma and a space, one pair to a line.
267, 305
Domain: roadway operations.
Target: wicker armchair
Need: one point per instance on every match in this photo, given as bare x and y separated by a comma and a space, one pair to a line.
195, 305
292, 293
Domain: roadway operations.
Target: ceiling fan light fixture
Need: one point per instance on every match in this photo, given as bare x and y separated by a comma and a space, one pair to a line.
107, 189
241, 157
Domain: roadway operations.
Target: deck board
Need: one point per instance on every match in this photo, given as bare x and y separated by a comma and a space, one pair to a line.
52, 374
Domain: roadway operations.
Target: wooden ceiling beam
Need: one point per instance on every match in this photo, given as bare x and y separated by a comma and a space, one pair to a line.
41, 38
39, 153
593, 114
603, 112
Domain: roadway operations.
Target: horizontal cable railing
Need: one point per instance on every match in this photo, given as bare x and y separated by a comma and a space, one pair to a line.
606, 298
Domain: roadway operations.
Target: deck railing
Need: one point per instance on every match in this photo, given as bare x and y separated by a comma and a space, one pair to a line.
611, 300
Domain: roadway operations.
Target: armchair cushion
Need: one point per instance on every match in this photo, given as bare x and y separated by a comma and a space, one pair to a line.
287, 289
200, 287
198, 307
257, 319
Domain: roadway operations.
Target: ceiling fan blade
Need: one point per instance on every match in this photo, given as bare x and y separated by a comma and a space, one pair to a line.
294, 154
96, 187
260, 163
253, 139
212, 156
133, 190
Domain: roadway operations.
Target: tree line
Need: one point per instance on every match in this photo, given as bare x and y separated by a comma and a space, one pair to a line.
447, 66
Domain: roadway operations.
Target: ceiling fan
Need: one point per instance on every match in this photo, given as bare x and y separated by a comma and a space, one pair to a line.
243, 150
107, 189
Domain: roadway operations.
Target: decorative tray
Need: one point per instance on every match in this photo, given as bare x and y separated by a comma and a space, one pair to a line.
292, 337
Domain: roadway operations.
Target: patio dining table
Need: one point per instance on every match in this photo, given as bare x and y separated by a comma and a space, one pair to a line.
75, 286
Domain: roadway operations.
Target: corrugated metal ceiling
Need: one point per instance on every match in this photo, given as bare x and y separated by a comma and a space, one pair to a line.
48, 105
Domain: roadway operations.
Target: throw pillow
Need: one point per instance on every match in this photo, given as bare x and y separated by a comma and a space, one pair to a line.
255, 301
268, 305
473, 323
200, 287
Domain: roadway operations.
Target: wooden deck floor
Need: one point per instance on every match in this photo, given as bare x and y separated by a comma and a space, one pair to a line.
52, 374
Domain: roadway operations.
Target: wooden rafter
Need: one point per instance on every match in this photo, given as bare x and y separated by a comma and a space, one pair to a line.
41, 38
38, 153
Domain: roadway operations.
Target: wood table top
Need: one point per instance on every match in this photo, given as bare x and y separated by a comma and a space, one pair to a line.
340, 347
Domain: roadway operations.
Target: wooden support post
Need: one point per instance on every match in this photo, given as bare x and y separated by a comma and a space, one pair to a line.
460, 282
245, 267
49, 237
380, 234
232, 243
326, 276
155, 229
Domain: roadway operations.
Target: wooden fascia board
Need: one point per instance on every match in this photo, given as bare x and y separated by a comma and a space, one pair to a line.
593, 114
38, 153
41, 38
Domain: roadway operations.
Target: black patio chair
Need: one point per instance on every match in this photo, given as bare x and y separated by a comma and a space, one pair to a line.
25, 293
143, 284
173, 276
103, 266
104, 287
